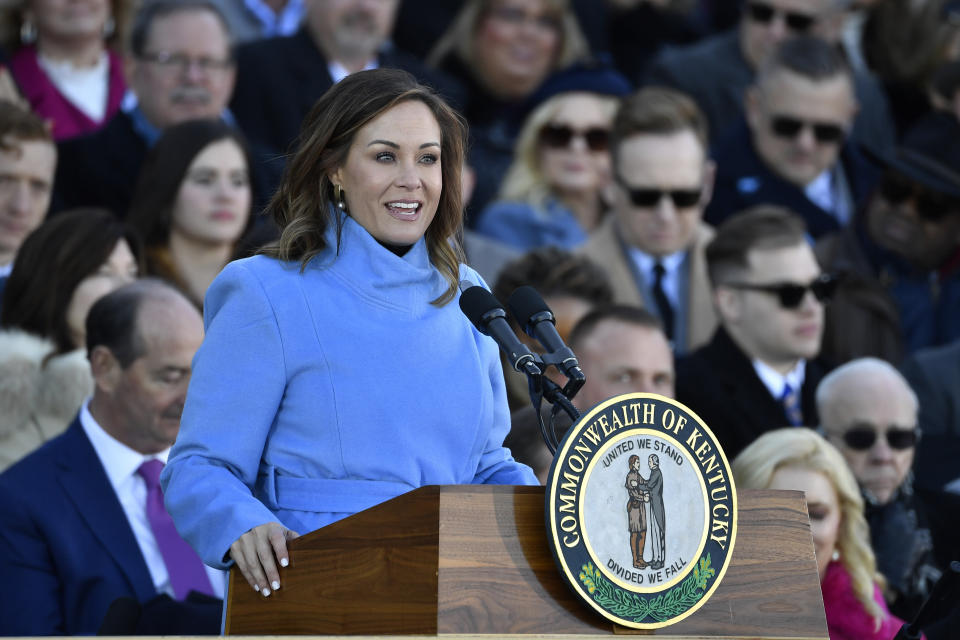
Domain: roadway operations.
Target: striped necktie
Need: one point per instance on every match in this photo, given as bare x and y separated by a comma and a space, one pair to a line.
791, 406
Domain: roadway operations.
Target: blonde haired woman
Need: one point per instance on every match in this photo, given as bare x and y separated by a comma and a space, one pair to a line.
552, 193
800, 459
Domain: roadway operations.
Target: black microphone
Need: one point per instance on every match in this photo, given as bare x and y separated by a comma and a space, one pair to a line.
121, 618
537, 320
489, 317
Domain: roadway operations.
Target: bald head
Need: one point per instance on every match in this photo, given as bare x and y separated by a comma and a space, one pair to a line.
868, 410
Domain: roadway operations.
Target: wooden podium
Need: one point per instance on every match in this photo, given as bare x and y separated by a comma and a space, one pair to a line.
474, 560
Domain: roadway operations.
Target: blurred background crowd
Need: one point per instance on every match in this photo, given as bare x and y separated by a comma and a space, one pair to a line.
752, 207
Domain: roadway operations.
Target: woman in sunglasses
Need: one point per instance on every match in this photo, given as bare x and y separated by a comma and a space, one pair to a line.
800, 459
553, 192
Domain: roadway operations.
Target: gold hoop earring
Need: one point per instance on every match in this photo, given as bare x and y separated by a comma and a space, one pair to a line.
339, 197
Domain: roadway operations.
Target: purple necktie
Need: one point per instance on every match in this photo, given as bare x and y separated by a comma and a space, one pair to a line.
184, 566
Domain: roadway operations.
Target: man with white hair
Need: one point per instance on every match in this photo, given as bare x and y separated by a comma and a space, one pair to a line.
868, 410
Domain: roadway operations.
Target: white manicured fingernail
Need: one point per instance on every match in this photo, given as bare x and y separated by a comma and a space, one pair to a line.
256, 588
284, 562
265, 593
276, 585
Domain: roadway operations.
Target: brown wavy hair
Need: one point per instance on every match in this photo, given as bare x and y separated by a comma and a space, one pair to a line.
303, 205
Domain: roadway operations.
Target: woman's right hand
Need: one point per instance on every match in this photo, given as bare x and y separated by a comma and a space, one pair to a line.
257, 553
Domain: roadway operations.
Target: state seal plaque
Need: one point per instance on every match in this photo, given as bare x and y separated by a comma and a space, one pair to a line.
641, 510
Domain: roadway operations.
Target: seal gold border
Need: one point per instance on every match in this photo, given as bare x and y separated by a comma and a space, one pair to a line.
557, 546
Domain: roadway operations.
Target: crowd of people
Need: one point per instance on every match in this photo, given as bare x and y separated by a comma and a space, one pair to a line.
752, 207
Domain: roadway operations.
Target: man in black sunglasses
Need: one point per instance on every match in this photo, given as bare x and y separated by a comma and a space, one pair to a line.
717, 71
869, 412
652, 244
793, 152
760, 369
901, 256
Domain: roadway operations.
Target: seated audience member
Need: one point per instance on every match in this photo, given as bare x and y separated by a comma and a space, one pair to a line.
934, 374
28, 158
84, 522
553, 193
257, 19
503, 50
621, 350
760, 370
793, 151
801, 460
279, 80
717, 71
179, 67
652, 245
900, 259
869, 412
570, 284
64, 266
66, 67
192, 204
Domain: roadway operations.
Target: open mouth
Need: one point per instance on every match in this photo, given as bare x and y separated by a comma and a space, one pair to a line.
404, 209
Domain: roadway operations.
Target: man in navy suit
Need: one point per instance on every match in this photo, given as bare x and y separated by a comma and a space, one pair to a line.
793, 150
78, 531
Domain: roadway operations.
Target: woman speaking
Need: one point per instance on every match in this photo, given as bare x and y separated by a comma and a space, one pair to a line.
336, 374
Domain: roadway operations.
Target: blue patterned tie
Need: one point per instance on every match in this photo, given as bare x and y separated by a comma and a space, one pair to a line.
791, 406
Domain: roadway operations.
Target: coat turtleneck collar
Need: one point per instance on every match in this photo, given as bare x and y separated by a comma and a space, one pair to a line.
408, 282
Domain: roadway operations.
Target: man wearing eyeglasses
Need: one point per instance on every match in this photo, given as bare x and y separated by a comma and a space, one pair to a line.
718, 70
179, 67
869, 412
760, 369
652, 245
900, 259
793, 150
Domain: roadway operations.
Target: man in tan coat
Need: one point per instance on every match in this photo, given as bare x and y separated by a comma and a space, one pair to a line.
652, 246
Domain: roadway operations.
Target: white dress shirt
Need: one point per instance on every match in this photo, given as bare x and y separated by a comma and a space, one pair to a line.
121, 464
671, 272
338, 72
776, 382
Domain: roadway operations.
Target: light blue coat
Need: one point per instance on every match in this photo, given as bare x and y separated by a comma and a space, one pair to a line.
319, 394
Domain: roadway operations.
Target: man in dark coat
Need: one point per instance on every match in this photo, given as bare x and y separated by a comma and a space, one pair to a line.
792, 151
759, 371
717, 70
